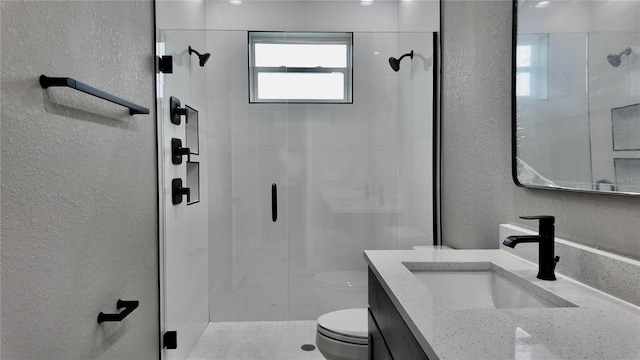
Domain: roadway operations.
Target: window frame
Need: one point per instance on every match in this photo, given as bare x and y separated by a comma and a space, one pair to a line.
305, 38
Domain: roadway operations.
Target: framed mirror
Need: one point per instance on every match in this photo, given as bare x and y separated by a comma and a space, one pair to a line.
576, 95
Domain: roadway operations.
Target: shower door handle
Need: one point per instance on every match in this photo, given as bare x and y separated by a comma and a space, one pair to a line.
274, 202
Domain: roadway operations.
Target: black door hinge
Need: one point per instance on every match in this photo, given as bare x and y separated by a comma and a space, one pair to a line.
170, 340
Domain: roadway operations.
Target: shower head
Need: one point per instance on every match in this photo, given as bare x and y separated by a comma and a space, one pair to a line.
395, 63
203, 58
616, 60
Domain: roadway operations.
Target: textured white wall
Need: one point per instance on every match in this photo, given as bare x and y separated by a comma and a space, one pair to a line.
79, 211
477, 190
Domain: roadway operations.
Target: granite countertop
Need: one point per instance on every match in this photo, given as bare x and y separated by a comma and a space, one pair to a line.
598, 327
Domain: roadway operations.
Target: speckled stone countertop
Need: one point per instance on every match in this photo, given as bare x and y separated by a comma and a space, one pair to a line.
598, 327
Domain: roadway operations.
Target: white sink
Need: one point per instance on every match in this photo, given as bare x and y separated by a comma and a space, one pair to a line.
479, 289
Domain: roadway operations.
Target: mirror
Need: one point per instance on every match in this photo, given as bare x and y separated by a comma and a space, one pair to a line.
576, 95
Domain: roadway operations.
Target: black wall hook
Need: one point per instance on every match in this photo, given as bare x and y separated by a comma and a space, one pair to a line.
128, 307
177, 192
175, 110
177, 151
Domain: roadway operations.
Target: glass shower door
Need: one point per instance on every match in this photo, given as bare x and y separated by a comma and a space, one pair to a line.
249, 254
183, 227
359, 175
349, 177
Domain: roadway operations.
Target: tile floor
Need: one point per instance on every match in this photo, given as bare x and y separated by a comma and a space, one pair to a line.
257, 340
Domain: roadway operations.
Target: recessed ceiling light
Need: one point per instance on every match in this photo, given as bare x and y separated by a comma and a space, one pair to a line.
542, 4
235, 2
376, 53
366, 2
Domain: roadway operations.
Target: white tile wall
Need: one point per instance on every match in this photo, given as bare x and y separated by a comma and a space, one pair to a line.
303, 16
416, 140
171, 14
419, 15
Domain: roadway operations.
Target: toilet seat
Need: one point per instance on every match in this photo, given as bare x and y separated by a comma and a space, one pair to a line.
349, 325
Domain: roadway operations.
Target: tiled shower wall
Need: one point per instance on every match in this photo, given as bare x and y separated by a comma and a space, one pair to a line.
415, 142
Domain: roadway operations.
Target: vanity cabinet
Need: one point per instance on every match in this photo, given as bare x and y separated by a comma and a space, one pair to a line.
378, 350
389, 335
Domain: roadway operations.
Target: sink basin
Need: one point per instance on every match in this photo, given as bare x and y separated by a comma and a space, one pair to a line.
479, 289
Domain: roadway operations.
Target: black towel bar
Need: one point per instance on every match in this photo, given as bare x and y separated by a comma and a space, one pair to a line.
128, 307
46, 82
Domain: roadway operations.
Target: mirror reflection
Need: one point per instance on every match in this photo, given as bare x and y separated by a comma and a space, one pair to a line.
577, 95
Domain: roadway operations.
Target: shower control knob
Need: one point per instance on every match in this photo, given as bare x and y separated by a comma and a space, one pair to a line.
175, 111
177, 151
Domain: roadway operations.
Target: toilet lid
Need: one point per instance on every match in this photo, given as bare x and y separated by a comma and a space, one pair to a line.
349, 322
341, 280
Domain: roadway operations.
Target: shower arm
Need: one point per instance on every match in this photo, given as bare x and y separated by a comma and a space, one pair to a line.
409, 54
626, 51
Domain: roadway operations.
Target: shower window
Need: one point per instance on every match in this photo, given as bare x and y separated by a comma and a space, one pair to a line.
531, 66
300, 67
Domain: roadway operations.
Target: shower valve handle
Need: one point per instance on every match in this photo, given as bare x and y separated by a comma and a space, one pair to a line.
177, 151
177, 192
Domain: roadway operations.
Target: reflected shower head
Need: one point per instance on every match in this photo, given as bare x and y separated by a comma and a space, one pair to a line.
203, 58
616, 60
395, 63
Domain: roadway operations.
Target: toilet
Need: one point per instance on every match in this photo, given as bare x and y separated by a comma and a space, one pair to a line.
344, 334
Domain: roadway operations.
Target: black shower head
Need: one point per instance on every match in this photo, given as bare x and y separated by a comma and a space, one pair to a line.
203, 58
616, 60
395, 63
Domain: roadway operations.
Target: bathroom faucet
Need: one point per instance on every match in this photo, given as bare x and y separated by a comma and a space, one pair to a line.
545, 239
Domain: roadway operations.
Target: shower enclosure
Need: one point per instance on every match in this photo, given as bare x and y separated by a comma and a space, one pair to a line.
349, 177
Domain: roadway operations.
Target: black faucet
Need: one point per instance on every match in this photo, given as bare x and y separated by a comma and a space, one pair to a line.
545, 239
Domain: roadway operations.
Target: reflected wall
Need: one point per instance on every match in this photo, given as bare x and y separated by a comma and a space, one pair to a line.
566, 135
